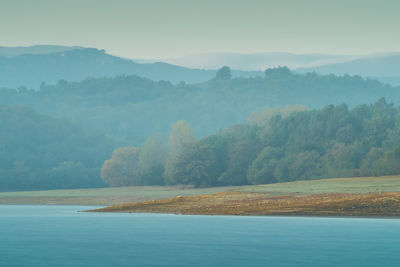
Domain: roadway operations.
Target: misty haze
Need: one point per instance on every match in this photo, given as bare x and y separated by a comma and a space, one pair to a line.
199, 133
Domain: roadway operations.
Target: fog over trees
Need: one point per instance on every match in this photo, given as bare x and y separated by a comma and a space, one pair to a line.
129, 130
286, 145
130, 108
41, 152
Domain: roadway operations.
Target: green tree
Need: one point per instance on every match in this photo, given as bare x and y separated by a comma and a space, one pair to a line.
223, 73
243, 147
152, 159
369, 163
305, 167
389, 164
195, 164
261, 171
278, 72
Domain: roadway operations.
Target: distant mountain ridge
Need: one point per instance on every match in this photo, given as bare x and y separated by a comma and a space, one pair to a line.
385, 68
255, 61
8, 51
34, 65
30, 67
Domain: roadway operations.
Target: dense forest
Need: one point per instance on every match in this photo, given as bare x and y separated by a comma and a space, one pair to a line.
130, 108
40, 152
287, 126
276, 145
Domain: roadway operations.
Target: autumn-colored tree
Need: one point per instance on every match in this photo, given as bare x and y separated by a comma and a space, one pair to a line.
123, 167
181, 135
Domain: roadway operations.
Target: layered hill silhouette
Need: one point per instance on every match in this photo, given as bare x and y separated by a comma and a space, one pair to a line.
256, 61
385, 68
6, 51
59, 135
131, 108
32, 66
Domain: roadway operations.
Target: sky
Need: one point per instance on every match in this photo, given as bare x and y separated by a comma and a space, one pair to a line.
174, 28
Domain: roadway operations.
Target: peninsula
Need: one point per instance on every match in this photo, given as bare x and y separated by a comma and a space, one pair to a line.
350, 200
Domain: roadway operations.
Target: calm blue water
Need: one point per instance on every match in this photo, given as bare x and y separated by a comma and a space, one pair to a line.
61, 236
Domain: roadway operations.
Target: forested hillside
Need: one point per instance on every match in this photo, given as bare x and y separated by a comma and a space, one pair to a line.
277, 145
40, 152
55, 137
130, 109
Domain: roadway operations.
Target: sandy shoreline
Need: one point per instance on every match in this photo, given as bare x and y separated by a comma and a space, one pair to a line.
239, 203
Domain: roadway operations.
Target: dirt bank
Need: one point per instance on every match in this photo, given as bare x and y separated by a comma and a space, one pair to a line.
239, 203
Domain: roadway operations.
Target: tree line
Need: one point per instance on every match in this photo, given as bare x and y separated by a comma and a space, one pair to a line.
66, 131
130, 108
275, 145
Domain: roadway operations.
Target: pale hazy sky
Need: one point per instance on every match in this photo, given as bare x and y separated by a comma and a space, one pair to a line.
170, 28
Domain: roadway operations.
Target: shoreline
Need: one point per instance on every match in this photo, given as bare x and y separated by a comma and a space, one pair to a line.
373, 205
306, 216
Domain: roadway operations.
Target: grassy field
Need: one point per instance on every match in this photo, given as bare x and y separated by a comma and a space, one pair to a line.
117, 196
103, 196
359, 185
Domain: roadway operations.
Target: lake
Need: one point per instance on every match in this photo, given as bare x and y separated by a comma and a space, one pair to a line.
62, 236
